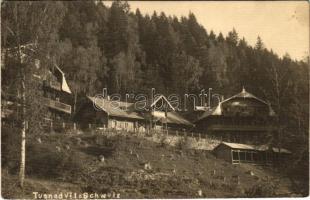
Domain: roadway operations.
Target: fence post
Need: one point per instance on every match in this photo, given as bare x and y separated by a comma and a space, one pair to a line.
51, 125
199, 136
177, 133
74, 126
89, 126
63, 125
192, 134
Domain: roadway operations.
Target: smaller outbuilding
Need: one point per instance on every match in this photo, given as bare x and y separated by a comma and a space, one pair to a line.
163, 116
116, 115
237, 153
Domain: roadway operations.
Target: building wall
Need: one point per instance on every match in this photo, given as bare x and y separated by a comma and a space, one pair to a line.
223, 152
244, 107
242, 121
88, 115
126, 124
249, 156
58, 96
121, 124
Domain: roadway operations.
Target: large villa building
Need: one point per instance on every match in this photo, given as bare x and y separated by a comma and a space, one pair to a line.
242, 118
57, 95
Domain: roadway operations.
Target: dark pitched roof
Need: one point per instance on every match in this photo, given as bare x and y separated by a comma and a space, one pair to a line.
244, 94
114, 110
126, 110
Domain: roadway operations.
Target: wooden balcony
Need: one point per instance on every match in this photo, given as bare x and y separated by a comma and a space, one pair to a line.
57, 105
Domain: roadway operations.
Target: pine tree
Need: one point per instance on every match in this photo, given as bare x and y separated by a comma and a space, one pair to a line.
259, 44
232, 38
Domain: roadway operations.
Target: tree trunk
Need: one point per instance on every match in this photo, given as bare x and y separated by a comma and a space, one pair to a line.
23, 133
23, 95
75, 100
75, 95
22, 156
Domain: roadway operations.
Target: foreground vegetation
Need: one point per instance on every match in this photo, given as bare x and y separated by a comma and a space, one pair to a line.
133, 167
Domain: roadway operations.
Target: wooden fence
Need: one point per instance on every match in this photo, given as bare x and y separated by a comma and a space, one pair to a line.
63, 126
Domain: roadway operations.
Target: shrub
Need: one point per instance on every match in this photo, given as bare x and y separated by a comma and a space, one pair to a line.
262, 189
183, 143
45, 161
162, 141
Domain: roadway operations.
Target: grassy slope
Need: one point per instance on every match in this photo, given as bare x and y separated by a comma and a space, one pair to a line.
175, 172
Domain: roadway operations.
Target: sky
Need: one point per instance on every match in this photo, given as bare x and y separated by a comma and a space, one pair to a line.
282, 25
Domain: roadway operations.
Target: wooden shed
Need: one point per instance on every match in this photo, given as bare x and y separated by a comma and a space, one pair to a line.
237, 153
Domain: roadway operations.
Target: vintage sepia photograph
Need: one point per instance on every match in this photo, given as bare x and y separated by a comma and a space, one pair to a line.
154, 99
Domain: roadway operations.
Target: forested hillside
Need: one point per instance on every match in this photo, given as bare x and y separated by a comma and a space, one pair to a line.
125, 51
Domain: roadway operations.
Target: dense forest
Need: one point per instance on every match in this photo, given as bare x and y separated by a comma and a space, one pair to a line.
127, 52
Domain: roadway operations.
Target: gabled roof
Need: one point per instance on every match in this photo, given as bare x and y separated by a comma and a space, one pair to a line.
243, 94
239, 146
165, 99
114, 110
64, 85
255, 147
172, 116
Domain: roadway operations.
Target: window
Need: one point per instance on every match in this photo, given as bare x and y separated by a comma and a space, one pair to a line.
255, 157
248, 156
242, 155
235, 155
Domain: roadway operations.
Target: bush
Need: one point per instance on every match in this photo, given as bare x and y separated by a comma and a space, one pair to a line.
46, 161
162, 141
262, 189
183, 143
